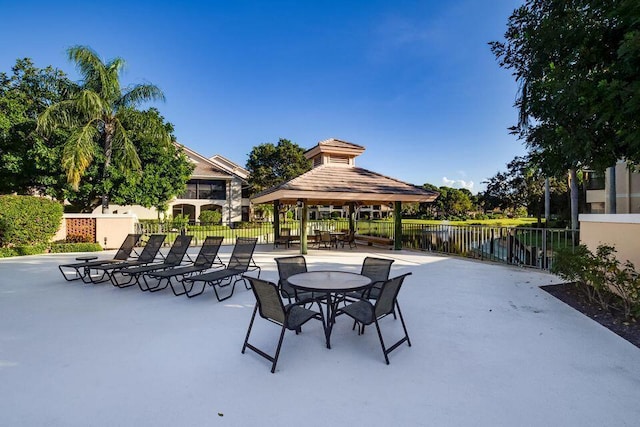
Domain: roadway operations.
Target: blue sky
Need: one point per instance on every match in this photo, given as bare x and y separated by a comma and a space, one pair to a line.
412, 81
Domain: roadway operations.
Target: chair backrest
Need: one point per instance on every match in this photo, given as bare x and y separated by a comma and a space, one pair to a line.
287, 267
376, 269
270, 305
178, 250
388, 294
325, 236
209, 251
152, 247
127, 247
285, 232
242, 253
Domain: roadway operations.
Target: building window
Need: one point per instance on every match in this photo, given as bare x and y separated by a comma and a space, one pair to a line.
245, 193
245, 214
205, 190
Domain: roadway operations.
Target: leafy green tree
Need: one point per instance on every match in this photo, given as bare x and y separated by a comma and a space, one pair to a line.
271, 164
573, 62
521, 185
452, 202
164, 170
576, 62
28, 163
95, 115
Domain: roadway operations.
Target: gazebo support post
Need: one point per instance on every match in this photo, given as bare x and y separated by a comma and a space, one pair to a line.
397, 220
303, 228
352, 212
276, 220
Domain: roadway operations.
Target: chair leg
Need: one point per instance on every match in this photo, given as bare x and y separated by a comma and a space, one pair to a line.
188, 291
273, 359
386, 350
246, 339
173, 289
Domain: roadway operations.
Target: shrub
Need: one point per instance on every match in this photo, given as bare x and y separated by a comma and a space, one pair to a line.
59, 248
78, 238
600, 276
28, 220
42, 248
210, 217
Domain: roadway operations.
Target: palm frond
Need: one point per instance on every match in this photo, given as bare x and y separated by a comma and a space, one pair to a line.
112, 90
62, 114
141, 93
78, 153
91, 105
124, 151
89, 65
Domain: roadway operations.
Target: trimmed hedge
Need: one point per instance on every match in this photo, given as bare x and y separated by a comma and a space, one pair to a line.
28, 220
57, 248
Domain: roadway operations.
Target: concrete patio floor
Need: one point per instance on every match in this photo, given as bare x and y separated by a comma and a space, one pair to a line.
489, 349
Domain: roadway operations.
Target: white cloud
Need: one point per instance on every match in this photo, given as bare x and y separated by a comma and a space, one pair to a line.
457, 183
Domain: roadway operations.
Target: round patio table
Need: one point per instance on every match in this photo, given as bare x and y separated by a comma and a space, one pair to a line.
333, 284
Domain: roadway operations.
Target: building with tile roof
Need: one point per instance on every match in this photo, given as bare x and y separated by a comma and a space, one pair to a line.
216, 183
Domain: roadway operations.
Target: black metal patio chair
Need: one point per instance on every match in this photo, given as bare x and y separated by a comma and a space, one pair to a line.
366, 313
376, 269
287, 267
173, 259
206, 259
80, 270
240, 262
147, 256
270, 306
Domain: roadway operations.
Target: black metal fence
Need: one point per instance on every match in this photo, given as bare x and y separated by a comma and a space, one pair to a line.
533, 247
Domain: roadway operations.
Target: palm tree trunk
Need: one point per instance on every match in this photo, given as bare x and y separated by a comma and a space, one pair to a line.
108, 149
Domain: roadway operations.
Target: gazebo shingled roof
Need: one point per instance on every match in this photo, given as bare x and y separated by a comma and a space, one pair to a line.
339, 185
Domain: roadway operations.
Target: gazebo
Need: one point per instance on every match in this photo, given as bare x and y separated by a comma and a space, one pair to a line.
335, 180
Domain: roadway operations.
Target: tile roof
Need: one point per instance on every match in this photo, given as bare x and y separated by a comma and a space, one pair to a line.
328, 183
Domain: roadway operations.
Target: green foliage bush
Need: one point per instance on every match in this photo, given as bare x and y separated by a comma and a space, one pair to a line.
28, 220
210, 217
600, 276
41, 248
60, 248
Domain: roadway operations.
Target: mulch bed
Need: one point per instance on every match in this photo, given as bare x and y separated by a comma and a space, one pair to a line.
612, 319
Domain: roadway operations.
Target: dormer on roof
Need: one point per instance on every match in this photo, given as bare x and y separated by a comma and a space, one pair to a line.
334, 152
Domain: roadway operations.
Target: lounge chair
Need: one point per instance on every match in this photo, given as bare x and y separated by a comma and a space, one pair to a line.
173, 259
147, 256
239, 263
271, 308
206, 259
366, 313
80, 270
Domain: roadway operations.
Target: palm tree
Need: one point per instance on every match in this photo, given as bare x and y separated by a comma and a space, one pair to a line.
94, 114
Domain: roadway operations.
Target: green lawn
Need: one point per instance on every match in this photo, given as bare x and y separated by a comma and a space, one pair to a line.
504, 222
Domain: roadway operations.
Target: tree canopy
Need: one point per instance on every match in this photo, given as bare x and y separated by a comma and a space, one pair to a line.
95, 115
576, 62
31, 163
520, 186
272, 164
